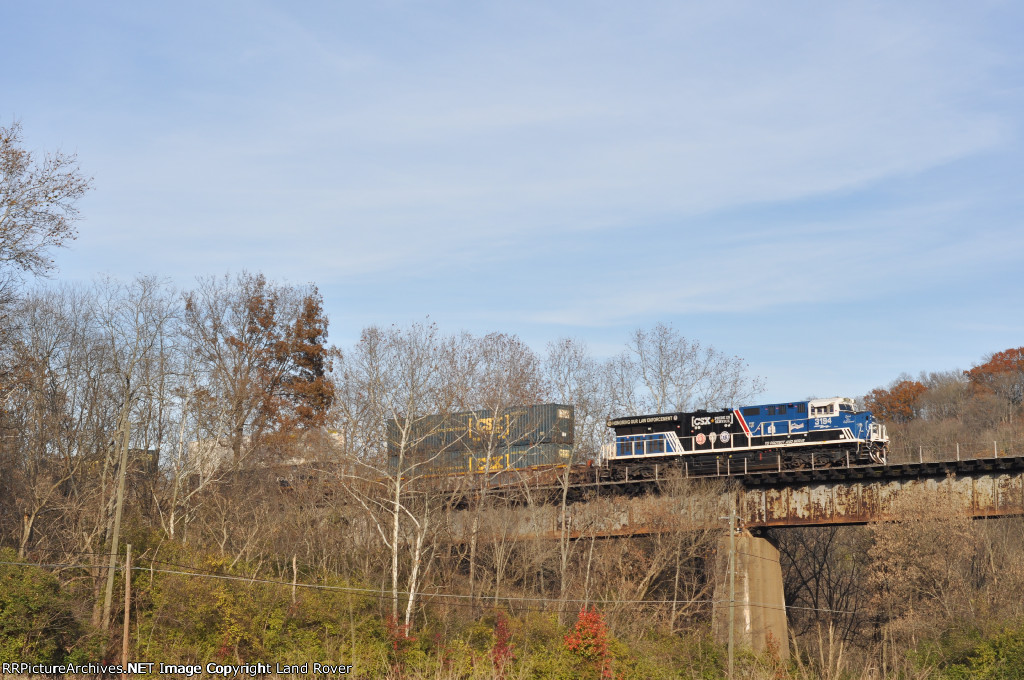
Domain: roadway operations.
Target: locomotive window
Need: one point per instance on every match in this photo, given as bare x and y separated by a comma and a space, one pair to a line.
755, 411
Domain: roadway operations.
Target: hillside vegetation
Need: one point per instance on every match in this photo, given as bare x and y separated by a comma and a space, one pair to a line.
275, 516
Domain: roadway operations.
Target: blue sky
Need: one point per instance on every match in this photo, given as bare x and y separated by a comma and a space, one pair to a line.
831, 191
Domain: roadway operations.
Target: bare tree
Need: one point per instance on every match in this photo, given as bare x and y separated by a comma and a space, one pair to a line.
826, 573
661, 371
37, 207
37, 418
507, 378
925, 569
397, 375
133, 320
192, 467
574, 378
37, 213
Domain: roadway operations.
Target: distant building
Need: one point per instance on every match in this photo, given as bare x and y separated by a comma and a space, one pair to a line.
208, 456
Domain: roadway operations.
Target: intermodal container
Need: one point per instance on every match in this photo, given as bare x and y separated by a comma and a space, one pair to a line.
479, 462
483, 430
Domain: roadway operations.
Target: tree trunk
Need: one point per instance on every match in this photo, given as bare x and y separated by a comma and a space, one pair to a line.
27, 522
395, 521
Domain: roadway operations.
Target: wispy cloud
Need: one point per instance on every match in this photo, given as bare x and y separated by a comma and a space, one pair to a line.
648, 161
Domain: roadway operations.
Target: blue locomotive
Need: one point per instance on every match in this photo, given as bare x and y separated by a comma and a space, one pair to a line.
800, 434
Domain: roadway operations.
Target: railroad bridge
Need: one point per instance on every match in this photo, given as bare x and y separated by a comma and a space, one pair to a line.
854, 494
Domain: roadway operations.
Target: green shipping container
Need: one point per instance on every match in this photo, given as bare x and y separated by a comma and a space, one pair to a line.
481, 430
478, 462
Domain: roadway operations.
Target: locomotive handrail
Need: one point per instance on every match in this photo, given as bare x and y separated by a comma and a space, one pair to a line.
639, 443
955, 453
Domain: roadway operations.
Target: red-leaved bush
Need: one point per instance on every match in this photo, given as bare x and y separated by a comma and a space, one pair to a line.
502, 649
589, 640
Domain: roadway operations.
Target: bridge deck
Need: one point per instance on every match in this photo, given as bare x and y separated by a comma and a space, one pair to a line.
981, 487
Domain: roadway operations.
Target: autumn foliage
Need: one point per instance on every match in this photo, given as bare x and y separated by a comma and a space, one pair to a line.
263, 347
1002, 374
308, 391
589, 640
898, 404
502, 651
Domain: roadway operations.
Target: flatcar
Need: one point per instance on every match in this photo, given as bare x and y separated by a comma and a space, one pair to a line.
792, 435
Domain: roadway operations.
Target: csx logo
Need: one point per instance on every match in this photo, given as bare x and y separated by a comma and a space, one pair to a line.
485, 427
711, 420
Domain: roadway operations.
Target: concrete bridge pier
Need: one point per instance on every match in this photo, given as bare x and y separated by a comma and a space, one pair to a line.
755, 605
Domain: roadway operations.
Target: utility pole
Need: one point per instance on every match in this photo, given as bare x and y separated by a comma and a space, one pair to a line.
732, 583
127, 605
295, 576
121, 473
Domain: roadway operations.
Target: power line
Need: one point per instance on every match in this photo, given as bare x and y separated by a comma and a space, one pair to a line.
424, 594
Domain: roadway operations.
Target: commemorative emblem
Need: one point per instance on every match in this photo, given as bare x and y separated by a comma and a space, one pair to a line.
701, 438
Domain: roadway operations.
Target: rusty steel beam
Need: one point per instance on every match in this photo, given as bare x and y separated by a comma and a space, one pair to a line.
979, 492
975, 487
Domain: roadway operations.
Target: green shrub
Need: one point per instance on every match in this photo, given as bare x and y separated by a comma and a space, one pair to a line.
189, 619
36, 621
999, 656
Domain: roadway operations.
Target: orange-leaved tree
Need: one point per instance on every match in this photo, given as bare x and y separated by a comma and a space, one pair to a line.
1002, 374
261, 349
897, 404
308, 390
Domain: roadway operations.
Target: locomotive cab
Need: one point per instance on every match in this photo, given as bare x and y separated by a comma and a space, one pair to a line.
831, 407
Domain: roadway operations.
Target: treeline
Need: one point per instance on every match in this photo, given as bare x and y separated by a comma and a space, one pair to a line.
196, 403
138, 414
973, 412
935, 593
135, 413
